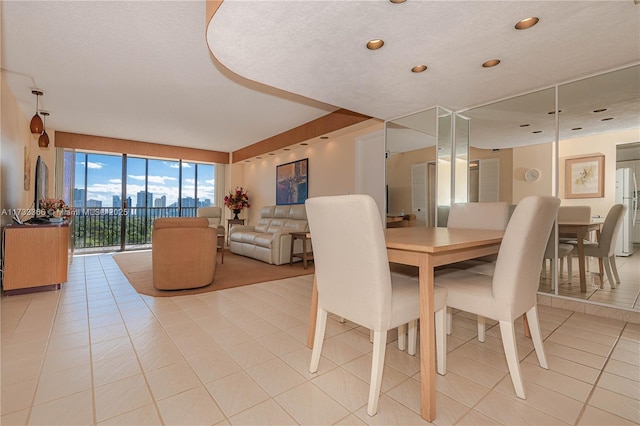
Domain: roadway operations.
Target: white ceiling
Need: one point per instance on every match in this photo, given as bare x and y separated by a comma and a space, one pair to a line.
138, 70
142, 70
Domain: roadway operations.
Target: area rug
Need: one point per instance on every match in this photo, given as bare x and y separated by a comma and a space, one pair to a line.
236, 271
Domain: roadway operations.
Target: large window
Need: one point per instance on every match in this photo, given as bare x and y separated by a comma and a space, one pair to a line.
118, 197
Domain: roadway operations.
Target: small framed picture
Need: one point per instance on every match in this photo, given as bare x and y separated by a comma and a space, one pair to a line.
584, 177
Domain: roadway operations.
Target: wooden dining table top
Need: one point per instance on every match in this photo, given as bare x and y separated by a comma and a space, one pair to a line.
439, 239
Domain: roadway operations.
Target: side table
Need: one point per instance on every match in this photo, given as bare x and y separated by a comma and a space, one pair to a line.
233, 222
304, 255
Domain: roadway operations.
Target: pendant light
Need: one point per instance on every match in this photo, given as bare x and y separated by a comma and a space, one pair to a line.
36, 124
43, 140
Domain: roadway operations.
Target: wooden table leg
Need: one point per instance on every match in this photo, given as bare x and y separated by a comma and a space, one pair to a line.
313, 313
525, 323
427, 340
304, 253
581, 260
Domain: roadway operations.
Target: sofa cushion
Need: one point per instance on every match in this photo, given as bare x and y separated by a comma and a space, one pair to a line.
263, 224
298, 212
276, 225
263, 240
295, 226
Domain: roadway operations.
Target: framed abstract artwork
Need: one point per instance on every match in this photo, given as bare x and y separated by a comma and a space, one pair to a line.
584, 177
292, 182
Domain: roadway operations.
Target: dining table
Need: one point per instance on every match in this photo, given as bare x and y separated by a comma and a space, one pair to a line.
580, 230
427, 248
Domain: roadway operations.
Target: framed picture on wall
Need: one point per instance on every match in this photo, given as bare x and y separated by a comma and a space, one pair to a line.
292, 182
584, 177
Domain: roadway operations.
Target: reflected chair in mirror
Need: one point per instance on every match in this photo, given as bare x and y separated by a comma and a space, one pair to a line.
512, 291
604, 248
490, 216
354, 281
564, 251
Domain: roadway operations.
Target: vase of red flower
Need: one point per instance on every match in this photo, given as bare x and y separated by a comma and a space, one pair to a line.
237, 200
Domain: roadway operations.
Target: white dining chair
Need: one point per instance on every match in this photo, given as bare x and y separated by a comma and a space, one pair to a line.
511, 291
491, 216
604, 248
354, 281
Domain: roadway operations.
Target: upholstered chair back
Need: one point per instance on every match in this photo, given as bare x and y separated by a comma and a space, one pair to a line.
352, 268
517, 273
491, 216
574, 214
213, 215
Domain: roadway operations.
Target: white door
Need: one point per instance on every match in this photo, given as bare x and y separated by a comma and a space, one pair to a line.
419, 192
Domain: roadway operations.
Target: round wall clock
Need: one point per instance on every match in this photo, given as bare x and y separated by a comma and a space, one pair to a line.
532, 175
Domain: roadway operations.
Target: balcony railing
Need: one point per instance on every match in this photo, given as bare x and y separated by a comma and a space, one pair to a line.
101, 228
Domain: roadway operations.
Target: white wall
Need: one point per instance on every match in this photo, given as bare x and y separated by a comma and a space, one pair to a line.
532, 157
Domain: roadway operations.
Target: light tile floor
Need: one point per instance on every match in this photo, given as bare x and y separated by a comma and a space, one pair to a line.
626, 295
97, 352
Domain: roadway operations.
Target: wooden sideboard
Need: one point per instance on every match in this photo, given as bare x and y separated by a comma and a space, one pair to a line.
35, 256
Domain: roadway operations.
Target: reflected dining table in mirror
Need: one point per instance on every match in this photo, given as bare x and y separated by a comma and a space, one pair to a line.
580, 230
427, 248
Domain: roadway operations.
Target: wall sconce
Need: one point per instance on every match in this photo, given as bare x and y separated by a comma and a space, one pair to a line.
36, 124
43, 140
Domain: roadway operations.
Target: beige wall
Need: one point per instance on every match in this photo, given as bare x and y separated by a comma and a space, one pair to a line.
331, 170
532, 157
15, 138
599, 144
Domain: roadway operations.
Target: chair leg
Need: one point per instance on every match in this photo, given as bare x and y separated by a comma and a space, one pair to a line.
402, 337
377, 364
441, 342
614, 268
318, 339
536, 336
508, 332
607, 268
449, 320
569, 267
413, 337
481, 328
371, 336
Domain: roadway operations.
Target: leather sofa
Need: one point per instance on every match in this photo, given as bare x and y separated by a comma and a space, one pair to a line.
183, 251
270, 239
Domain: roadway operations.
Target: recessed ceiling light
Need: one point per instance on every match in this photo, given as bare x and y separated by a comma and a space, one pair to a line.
324, 137
375, 44
259, 158
419, 68
397, 1
527, 23
247, 161
553, 112
304, 143
524, 125
577, 128
286, 149
537, 131
607, 119
491, 63
600, 110
271, 153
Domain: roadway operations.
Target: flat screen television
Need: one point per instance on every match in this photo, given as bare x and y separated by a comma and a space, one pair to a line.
42, 183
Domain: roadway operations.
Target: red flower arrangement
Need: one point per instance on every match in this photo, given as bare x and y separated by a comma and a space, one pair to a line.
237, 200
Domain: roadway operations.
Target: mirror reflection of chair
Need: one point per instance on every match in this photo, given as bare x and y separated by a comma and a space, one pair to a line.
354, 281
604, 248
512, 291
564, 252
